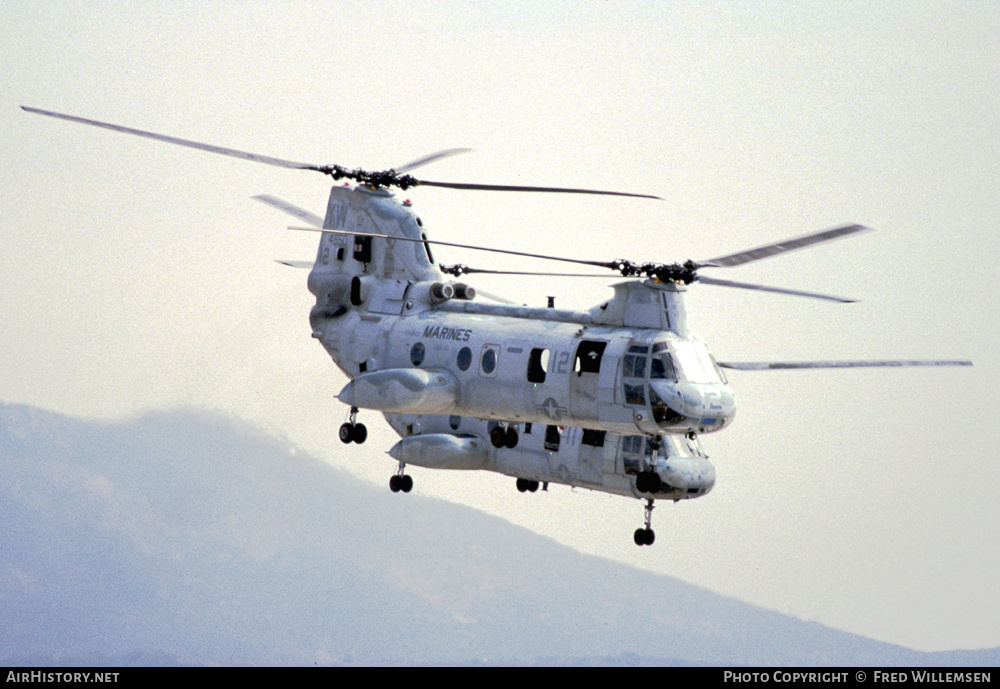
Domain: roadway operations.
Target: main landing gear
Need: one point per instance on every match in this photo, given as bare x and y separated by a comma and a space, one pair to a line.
400, 481
646, 536
502, 436
526, 485
353, 432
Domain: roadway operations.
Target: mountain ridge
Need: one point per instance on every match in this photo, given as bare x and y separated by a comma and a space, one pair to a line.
191, 537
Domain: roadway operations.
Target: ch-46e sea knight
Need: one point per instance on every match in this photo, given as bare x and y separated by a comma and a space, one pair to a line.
611, 399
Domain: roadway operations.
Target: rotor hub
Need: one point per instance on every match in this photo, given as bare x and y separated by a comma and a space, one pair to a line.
664, 272
378, 180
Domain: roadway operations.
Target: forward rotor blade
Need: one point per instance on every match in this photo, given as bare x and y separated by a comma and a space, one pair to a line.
291, 209
420, 162
782, 365
295, 264
459, 270
505, 187
460, 246
181, 142
778, 290
377, 179
769, 250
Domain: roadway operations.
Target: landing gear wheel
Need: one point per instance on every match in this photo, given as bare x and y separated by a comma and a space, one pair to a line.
510, 437
360, 433
525, 485
644, 537
498, 436
346, 433
353, 432
400, 481
648, 482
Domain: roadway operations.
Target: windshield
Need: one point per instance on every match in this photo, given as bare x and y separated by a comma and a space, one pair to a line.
680, 446
662, 366
695, 363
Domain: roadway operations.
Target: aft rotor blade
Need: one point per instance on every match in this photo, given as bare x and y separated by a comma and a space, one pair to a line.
505, 187
782, 365
776, 248
181, 142
291, 209
295, 264
778, 290
420, 162
459, 246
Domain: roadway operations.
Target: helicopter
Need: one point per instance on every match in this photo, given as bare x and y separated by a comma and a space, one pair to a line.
612, 399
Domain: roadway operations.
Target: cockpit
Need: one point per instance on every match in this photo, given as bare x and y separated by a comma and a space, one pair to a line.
681, 464
680, 382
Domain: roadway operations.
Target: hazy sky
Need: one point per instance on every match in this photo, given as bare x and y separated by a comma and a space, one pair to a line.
138, 275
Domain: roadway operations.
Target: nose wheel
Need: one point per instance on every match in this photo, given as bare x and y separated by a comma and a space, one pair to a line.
645, 536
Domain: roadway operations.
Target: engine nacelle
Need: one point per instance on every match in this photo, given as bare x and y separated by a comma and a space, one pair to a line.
441, 451
404, 390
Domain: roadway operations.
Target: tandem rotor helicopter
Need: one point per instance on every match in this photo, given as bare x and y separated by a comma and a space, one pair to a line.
611, 399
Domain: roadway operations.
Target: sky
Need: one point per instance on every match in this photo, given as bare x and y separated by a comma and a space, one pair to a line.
136, 275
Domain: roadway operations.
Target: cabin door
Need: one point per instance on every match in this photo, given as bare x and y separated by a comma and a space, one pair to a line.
583, 379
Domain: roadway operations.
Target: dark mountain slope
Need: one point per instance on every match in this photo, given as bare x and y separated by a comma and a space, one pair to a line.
192, 537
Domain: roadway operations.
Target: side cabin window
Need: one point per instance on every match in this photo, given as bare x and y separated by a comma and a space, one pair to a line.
538, 364
464, 359
634, 366
488, 360
588, 357
593, 438
552, 437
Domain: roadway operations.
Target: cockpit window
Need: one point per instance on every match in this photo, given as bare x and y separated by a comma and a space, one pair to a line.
663, 367
718, 369
634, 367
635, 394
695, 363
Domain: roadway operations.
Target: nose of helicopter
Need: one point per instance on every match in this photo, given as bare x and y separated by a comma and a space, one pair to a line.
710, 405
694, 476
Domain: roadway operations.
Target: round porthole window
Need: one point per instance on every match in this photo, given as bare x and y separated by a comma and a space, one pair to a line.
417, 354
464, 359
489, 361
454, 422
